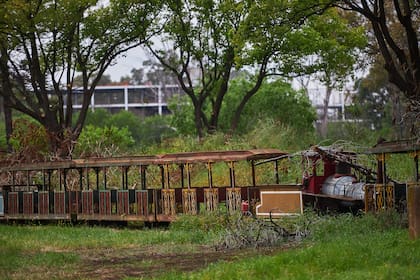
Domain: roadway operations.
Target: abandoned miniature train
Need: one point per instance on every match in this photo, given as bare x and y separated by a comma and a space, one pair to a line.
158, 188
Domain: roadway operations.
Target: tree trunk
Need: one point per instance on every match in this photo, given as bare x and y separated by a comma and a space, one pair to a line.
246, 98
197, 121
324, 117
8, 120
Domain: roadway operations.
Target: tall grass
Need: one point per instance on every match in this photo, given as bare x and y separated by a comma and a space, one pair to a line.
340, 247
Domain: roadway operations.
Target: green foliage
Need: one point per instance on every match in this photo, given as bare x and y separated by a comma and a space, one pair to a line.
144, 131
274, 101
99, 117
126, 119
29, 139
103, 141
3, 142
65, 37
182, 117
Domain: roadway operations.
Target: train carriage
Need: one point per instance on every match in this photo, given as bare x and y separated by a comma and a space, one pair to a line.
150, 188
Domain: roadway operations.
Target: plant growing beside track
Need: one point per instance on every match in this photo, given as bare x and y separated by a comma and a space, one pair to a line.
340, 246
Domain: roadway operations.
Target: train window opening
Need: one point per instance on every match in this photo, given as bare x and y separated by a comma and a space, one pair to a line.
154, 177
265, 174
243, 173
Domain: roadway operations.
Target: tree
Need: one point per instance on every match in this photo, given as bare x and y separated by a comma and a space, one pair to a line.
395, 25
378, 102
137, 76
339, 52
46, 43
213, 38
157, 74
276, 100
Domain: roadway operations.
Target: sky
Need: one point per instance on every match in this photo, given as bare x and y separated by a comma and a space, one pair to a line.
122, 67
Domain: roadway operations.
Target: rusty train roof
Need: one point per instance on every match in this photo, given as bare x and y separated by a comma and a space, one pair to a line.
176, 158
400, 146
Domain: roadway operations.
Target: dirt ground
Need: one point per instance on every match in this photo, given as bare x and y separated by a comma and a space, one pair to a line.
151, 262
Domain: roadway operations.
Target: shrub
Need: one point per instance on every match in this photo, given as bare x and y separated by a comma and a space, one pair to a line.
29, 140
103, 141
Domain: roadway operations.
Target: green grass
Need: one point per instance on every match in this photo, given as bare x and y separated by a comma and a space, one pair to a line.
377, 256
343, 247
59, 249
338, 247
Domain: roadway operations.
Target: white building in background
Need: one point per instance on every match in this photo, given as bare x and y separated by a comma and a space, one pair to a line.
338, 102
148, 100
143, 100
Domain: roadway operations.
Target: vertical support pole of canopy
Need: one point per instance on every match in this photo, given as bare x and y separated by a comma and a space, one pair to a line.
65, 179
105, 181
381, 179
126, 177
28, 179
49, 179
231, 165
162, 175
416, 163
13, 179
181, 166
210, 174
143, 176
168, 181
44, 180
60, 179
188, 176
276, 171
97, 178
254, 181
384, 179
122, 177
87, 179
81, 178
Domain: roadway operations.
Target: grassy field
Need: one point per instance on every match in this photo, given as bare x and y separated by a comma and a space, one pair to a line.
338, 247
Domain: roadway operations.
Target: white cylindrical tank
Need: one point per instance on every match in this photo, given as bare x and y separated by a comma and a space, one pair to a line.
343, 186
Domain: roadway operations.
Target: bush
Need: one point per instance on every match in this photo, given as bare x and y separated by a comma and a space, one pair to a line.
29, 140
103, 141
144, 131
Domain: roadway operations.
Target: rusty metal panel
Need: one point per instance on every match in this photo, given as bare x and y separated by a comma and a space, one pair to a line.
28, 203
43, 203
217, 156
280, 203
87, 202
73, 200
122, 202
400, 146
105, 202
59, 203
141, 202
13, 203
